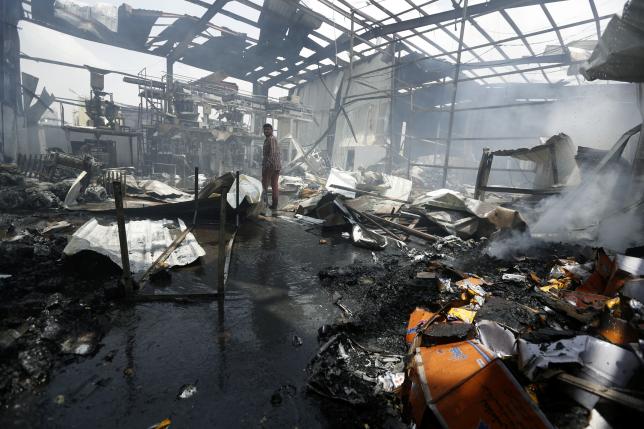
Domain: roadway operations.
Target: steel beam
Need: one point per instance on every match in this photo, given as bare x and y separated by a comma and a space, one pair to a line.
435, 45
485, 34
509, 39
552, 22
309, 43
497, 106
391, 15
466, 79
476, 10
343, 41
457, 73
551, 66
417, 33
376, 29
517, 30
347, 34
541, 59
267, 70
596, 17
246, 20
199, 26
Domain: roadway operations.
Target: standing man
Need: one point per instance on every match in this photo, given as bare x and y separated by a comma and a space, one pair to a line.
271, 164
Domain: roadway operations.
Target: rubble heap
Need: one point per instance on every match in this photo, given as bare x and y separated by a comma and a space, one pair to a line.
19, 192
50, 310
559, 325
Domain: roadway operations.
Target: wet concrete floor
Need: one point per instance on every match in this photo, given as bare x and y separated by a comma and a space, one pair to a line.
238, 353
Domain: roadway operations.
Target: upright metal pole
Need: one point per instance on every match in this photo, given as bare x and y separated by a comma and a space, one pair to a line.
353, 12
131, 151
120, 221
237, 199
221, 276
457, 73
408, 156
169, 82
392, 133
124, 187
194, 218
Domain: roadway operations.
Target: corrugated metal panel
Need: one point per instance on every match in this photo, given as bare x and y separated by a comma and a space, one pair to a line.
146, 240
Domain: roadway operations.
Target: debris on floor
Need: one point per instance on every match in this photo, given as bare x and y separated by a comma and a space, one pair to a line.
147, 240
20, 193
494, 331
377, 211
187, 391
51, 307
297, 341
283, 392
163, 424
345, 371
434, 217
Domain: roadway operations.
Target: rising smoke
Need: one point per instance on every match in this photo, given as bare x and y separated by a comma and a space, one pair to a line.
605, 210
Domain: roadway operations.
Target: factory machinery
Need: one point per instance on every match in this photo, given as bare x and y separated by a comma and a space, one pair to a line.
207, 123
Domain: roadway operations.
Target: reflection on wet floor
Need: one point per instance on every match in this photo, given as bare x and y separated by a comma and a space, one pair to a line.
199, 278
239, 354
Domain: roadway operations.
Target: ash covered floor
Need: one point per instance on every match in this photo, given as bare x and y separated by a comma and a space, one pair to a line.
245, 360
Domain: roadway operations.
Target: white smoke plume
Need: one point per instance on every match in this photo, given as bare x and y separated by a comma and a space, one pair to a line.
605, 210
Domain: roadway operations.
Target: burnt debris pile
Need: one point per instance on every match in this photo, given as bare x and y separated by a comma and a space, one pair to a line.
551, 335
51, 310
463, 315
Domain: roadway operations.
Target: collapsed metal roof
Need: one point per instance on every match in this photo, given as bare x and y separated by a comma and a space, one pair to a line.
289, 42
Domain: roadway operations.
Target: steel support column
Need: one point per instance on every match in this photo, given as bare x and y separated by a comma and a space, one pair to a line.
457, 72
392, 131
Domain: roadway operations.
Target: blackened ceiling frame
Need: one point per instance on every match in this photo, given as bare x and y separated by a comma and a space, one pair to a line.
287, 78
